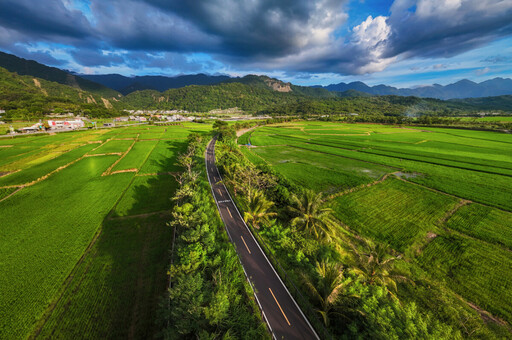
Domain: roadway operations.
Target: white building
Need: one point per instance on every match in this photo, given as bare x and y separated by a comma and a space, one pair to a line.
66, 124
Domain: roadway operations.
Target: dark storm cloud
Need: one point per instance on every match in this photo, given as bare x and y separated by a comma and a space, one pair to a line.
48, 18
93, 57
135, 25
295, 36
444, 28
261, 27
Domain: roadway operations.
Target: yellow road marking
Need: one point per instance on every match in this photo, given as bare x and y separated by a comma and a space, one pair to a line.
229, 213
245, 244
220, 193
279, 306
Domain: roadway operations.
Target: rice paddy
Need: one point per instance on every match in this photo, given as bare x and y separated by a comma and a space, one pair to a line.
442, 198
83, 251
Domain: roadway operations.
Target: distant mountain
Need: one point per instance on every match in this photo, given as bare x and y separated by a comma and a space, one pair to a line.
32, 68
461, 89
280, 86
127, 85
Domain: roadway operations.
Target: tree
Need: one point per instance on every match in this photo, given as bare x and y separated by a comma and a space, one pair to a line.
329, 290
374, 264
257, 209
312, 217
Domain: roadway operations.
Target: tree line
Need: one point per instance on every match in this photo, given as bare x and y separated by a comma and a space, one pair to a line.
208, 296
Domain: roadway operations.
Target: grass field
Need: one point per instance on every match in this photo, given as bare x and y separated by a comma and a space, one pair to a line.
137, 155
485, 223
393, 212
474, 165
478, 271
75, 261
445, 203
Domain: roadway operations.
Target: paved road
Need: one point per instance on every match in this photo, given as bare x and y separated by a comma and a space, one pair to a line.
280, 310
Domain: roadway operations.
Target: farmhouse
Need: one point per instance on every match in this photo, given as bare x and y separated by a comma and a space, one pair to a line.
34, 128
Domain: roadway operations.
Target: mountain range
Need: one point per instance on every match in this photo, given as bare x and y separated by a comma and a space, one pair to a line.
462, 89
30, 89
127, 85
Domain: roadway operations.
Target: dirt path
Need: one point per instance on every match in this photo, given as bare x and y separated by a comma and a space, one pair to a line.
347, 191
12, 193
450, 213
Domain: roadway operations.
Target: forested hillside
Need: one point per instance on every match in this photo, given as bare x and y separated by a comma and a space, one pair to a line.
22, 66
27, 96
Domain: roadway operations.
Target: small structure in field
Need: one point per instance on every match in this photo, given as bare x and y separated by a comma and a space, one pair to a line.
66, 124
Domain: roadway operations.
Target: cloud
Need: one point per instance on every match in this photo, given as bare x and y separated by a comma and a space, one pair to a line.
497, 59
482, 71
444, 28
44, 20
261, 27
93, 57
292, 36
439, 66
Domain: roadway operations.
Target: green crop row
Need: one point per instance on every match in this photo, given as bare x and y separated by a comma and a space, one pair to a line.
478, 271
137, 155
59, 219
486, 223
393, 212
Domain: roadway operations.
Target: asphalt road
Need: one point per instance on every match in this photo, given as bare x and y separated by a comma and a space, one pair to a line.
280, 310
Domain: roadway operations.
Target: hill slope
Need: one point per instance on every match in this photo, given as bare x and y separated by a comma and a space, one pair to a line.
26, 96
32, 68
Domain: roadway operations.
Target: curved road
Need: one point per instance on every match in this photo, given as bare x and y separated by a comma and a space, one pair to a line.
280, 311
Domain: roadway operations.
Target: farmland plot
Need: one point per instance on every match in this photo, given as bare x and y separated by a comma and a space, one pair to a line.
137, 156
71, 266
393, 212
478, 271
38, 254
486, 223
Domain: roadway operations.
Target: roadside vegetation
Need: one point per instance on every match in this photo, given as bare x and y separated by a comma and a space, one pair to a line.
381, 254
208, 296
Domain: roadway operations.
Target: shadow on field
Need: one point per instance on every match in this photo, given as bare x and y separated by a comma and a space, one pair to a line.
138, 244
115, 289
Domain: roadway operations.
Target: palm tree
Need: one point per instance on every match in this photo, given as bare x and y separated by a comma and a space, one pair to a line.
329, 290
257, 209
375, 265
312, 217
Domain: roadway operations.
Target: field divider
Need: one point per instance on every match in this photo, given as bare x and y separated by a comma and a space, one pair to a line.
450, 213
51, 307
12, 193
105, 154
3, 174
359, 187
109, 170
42, 178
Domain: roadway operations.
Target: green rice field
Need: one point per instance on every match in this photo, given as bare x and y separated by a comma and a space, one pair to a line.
83, 255
441, 198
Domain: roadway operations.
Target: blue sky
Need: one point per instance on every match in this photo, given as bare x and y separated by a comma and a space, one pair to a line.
401, 42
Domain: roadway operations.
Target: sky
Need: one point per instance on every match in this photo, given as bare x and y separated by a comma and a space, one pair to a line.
403, 43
